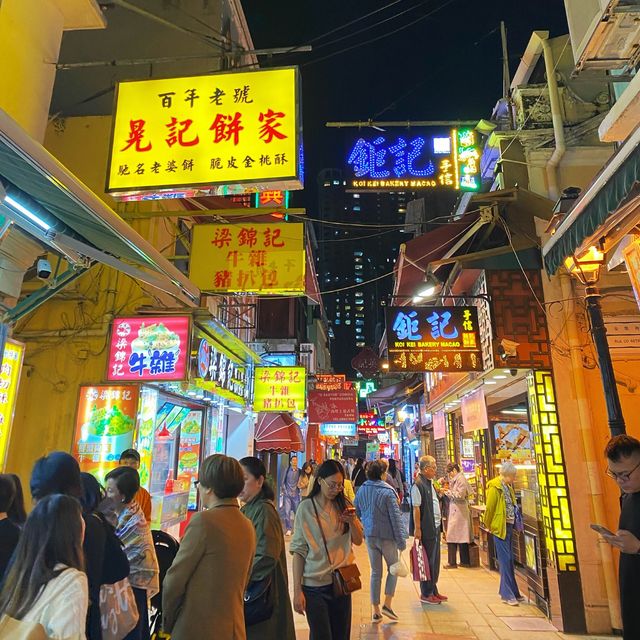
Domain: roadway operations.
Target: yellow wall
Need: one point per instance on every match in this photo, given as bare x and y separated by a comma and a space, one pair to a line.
66, 337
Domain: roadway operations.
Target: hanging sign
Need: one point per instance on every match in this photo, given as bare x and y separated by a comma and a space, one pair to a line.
474, 411
417, 159
279, 389
217, 134
632, 260
330, 381
253, 258
370, 424
148, 348
433, 339
439, 425
216, 372
9, 381
339, 405
338, 429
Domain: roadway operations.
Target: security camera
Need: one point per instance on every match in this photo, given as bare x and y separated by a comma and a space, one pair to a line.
513, 372
43, 269
508, 349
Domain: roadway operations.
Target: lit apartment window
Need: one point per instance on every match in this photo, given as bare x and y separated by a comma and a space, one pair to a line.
359, 280
359, 322
347, 307
337, 314
359, 315
337, 321
347, 321
360, 344
358, 254
356, 195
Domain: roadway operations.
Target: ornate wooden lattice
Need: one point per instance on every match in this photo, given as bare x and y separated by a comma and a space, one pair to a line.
552, 476
484, 322
518, 317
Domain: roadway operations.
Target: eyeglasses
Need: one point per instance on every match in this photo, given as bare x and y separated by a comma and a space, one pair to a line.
622, 475
196, 483
333, 486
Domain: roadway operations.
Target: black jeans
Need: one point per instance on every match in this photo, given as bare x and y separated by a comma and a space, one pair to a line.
432, 547
453, 553
329, 617
141, 631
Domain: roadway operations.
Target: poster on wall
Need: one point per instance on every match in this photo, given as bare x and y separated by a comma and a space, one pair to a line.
513, 442
105, 423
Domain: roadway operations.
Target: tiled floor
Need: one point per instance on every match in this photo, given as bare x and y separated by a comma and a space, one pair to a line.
473, 612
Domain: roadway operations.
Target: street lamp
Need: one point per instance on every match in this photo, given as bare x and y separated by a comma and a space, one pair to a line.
587, 270
428, 288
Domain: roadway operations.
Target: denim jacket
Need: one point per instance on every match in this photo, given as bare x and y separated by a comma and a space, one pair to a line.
377, 507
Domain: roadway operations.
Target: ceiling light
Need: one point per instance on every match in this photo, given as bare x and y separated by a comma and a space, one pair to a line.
490, 382
16, 206
499, 377
428, 287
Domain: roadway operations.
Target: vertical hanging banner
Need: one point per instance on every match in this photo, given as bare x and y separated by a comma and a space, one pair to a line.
9, 381
474, 411
439, 425
218, 134
255, 258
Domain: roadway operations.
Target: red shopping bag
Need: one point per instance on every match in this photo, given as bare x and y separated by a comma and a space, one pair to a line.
419, 563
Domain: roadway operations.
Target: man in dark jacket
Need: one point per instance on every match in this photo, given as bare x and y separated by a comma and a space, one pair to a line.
426, 525
623, 457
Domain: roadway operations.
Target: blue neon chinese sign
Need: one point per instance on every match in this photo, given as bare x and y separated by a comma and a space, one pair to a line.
414, 160
433, 339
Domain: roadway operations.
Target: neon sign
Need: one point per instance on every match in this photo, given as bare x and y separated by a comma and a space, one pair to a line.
381, 162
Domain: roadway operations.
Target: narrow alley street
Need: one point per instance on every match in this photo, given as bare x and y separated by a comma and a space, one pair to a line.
473, 612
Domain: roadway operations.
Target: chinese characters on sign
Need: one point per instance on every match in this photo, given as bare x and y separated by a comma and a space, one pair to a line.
331, 382
339, 405
370, 424
279, 389
272, 198
427, 160
9, 379
338, 429
222, 133
219, 373
148, 348
434, 339
248, 258
105, 425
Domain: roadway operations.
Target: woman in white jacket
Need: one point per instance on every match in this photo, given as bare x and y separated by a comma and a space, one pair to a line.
45, 582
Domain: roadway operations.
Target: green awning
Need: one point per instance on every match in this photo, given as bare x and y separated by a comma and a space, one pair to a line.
609, 190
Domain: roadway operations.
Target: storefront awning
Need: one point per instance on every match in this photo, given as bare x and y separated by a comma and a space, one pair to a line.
611, 188
46, 201
278, 432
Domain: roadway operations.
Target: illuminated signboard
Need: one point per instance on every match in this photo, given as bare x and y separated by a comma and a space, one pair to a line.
105, 425
9, 380
279, 389
414, 159
216, 372
331, 382
222, 133
433, 339
148, 348
272, 198
338, 405
365, 387
370, 424
249, 258
338, 429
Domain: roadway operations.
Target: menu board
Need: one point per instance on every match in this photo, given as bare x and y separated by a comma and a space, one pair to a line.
513, 442
105, 423
189, 453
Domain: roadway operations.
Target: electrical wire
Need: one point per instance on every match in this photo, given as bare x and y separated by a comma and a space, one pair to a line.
381, 37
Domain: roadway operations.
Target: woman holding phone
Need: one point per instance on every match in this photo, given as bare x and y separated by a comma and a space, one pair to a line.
325, 528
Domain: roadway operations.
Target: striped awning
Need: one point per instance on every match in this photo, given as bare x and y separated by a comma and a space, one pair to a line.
278, 432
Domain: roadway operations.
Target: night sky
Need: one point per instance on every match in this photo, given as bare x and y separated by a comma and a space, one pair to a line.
445, 66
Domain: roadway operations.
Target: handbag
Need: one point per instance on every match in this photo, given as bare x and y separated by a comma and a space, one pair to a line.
419, 563
12, 629
118, 610
345, 579
258, 601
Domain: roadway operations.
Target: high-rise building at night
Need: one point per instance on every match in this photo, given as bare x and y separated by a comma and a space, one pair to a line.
351, 256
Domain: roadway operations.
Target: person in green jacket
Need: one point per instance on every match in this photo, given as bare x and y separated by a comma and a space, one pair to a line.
270, 559
499, 518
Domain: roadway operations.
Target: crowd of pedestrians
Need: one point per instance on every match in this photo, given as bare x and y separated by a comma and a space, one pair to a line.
228, 578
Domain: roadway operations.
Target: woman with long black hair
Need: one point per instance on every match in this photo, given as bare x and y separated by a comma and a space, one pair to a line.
270, 561
325, 529
46, 583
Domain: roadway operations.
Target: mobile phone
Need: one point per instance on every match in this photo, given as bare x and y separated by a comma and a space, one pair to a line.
603, 531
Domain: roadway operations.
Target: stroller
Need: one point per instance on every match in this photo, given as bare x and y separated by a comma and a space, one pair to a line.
166, 547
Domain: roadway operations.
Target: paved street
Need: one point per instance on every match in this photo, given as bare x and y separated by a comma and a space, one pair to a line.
474, 612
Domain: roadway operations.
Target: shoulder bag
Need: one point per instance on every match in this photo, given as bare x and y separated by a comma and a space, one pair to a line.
12, 629
345, 579
118, 610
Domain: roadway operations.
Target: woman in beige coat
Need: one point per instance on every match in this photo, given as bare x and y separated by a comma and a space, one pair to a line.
203, 590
